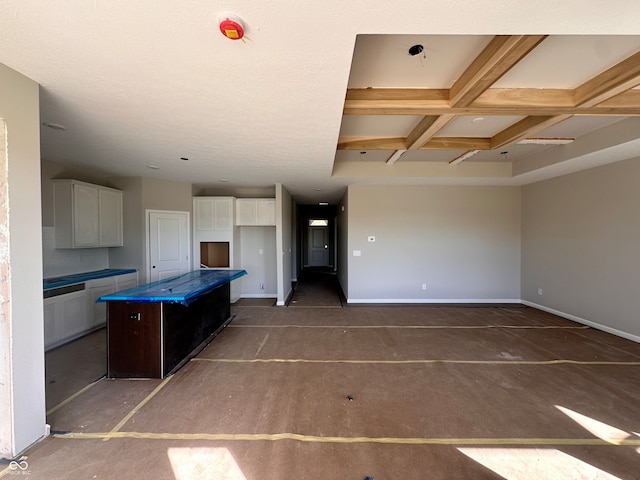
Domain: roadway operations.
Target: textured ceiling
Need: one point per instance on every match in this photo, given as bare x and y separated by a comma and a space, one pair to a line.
148, 82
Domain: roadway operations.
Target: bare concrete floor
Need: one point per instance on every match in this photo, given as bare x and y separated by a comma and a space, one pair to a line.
414, 392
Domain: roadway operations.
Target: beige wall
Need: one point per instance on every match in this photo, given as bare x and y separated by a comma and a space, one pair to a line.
462, 242
22, 401
580, 245
283, 243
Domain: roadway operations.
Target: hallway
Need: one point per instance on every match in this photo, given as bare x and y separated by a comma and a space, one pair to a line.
317, 287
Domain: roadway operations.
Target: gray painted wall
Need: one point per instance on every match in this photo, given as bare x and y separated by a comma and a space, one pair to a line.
342, 247
283, 243
580, 245
260, 267
22, 400
462, 242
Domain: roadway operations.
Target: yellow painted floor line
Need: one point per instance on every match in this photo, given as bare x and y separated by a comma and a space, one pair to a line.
73, 397
317, 439
425, 327
139, 406
410, 362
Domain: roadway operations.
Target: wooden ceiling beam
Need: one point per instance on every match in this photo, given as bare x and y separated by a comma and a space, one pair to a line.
501, 54
426, 129
457, 143
436, 143
498, 101
614, 81
526, 127
372, 143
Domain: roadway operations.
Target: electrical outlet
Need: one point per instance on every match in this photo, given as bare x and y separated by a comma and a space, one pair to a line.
357, 253
539, 291
424, 286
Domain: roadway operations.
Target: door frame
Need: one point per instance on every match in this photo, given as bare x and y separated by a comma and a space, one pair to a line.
147, 256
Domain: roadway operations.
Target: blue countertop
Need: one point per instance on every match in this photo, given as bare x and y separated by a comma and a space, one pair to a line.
63, 280
183, 289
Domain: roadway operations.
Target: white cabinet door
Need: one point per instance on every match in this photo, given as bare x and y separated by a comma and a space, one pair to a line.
223, 208
213, 213
255, 211
128, 280
51, 315
99, 309
266, 211
110, 215
85, 216
75, 315
204, 213
246, 211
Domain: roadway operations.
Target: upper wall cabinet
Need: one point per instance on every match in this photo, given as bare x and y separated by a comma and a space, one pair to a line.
86, 215
213, 213
255, 211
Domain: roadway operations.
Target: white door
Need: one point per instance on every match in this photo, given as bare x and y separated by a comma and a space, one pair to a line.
168, 244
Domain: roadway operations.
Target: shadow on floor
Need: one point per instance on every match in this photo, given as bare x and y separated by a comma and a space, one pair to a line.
317, 287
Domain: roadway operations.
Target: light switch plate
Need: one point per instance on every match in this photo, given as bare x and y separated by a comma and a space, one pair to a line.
357, 253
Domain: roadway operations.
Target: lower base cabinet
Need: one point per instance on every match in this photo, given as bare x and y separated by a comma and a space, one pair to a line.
72, 315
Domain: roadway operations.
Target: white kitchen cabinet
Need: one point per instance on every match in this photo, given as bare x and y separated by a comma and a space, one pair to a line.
86, 215
213, 213
65, 317
104, 286
71, 315
128, 280
97, 310
255, 211
110, 216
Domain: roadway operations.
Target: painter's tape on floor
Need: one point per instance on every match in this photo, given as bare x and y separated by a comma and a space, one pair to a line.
417, 362
381, 440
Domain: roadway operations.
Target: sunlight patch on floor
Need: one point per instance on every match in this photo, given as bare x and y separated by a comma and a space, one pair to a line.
204, 464
535, 463
599, 429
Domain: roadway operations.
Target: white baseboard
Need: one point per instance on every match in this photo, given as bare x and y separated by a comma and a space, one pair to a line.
597, 326
258, 295
433, 300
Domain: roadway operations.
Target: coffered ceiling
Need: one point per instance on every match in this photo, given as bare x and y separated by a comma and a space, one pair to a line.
491, 101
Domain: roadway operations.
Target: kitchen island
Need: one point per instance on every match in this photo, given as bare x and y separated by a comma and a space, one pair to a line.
152, 328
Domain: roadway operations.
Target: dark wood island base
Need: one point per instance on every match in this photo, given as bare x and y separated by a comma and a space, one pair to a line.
148, 336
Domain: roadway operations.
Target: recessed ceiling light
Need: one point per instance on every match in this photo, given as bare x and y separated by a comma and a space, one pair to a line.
153, 167
477, 119
54, 126
224, 180
318, 189
323, 204
416, 50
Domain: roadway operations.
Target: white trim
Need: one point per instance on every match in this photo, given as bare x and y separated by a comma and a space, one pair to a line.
598, 326
259, 295
433, 300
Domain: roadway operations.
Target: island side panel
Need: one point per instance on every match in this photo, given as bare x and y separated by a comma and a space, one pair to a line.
134, 340
187, 327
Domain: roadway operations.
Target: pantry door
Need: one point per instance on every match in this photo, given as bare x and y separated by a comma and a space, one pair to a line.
168, 244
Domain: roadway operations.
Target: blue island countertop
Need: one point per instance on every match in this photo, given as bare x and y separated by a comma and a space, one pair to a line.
183, 289
64, 280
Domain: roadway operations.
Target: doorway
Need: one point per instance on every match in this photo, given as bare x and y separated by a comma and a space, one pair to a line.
318, 243
167, 244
